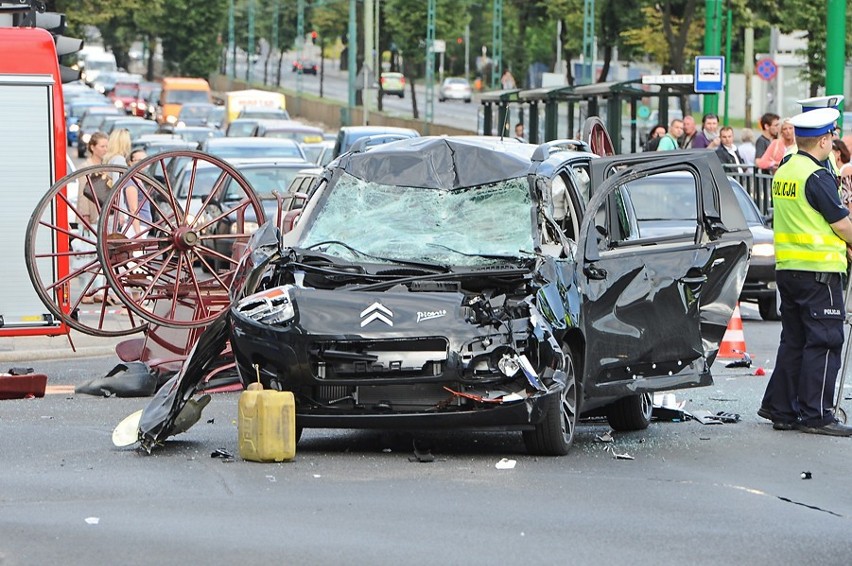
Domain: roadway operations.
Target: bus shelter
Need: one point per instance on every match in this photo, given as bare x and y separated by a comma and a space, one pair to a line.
609, 100
502, 100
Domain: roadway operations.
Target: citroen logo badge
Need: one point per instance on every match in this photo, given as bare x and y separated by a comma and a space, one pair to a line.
376, 311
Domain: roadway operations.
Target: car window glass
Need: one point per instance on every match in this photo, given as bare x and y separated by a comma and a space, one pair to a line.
658, 206
750, 211
264, 181
460, 226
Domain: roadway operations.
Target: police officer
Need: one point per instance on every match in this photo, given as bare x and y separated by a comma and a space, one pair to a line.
812, 229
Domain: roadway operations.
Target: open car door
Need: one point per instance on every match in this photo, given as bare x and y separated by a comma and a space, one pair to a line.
663, 252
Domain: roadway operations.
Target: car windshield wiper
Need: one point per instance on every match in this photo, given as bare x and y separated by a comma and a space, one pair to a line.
421, 264
503, 257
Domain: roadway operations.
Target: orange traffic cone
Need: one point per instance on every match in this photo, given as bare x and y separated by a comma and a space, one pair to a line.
733, 342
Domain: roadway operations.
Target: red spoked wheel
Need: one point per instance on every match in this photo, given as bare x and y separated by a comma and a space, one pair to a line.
595, 134
60, 252
166, 246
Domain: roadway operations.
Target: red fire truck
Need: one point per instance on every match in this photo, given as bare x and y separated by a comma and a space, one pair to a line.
32, 158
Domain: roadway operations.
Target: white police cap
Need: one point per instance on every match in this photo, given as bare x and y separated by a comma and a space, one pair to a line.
815, 122
832, 101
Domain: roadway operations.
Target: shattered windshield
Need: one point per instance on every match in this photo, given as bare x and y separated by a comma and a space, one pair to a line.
465, 227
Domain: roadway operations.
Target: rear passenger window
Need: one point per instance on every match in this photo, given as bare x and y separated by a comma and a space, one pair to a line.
651, 210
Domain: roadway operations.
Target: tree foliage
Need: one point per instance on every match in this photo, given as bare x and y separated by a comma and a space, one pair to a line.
193, 33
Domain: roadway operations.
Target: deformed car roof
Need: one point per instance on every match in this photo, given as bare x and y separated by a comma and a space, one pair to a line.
439, 163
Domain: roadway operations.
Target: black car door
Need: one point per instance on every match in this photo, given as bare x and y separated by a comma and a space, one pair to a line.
663, 253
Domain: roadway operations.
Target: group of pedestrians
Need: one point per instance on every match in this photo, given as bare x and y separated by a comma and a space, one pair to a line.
685, 134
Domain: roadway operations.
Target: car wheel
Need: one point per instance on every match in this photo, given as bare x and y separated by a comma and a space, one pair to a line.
631, 413
467, 101
768, 308
402, 95
554, 435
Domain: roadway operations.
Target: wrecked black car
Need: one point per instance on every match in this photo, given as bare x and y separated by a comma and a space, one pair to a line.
444, 282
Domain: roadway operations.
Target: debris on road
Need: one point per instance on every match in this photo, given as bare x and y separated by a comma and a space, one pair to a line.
744, 362
131, 379
605, 437
505, 464
424, 456
22, 383
806, 475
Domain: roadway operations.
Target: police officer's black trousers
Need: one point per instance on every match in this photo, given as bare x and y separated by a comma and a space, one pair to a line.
802, 383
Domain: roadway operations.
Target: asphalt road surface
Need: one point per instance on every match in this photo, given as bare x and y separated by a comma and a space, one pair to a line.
694, 494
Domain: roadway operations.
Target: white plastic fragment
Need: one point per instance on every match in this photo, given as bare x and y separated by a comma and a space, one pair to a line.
271, 479
624, 456
505, 464
317, 476
93, 520
605, 437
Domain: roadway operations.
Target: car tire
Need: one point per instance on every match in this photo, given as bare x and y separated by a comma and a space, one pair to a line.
467, 101
554, 435
768, 308
402, 95
631, 413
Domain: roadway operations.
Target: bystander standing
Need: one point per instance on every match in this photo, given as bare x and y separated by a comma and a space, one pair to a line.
769, 123
746, 147
669, 141
657, 133
727, 151
507, 81
708, 137
685, 139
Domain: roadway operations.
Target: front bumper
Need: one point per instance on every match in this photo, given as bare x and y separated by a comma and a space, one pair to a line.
283, 359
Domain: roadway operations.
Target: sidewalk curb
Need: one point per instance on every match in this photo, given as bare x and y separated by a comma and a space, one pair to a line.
56, 354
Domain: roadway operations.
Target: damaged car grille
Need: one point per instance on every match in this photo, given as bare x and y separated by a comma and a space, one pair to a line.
379, 358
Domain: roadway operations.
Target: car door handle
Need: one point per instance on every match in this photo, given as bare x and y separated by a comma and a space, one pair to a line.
694, 280
594, 272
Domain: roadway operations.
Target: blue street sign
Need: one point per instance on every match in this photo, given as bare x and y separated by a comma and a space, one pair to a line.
709, 73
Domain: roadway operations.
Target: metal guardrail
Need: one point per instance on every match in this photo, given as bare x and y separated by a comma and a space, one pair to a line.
756, 182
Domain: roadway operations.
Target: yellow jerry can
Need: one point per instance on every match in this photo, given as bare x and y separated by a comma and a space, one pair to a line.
266, 424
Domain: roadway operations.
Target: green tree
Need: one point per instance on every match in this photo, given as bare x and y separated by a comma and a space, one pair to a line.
190, 30
406, 23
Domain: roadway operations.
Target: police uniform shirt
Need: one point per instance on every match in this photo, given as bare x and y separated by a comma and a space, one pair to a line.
821, 193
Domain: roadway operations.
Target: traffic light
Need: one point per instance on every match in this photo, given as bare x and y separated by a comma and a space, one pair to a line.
314, 37
459, 40
55, 23
30, 13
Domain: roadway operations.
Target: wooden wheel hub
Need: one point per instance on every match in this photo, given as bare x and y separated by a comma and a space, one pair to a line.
185, 238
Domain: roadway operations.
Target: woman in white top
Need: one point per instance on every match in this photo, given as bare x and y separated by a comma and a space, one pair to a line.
118, 152
746, 147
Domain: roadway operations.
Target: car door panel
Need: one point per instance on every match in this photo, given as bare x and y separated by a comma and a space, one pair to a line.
658, 309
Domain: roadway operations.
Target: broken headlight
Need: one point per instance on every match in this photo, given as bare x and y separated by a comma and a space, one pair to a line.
273, 306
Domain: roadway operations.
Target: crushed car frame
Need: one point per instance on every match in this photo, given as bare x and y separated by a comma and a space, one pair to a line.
470, 283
